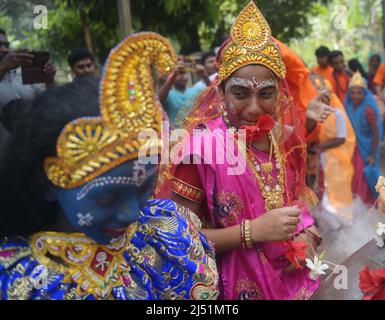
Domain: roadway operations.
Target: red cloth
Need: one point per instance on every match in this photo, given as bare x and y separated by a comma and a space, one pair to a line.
300, 86
188, 173
360, 186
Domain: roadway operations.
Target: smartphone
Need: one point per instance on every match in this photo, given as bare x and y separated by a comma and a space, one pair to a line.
34, 72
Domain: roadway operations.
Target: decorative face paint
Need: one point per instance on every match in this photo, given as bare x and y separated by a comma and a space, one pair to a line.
139, 176
103, 208
85, 220
232, 107
254, 85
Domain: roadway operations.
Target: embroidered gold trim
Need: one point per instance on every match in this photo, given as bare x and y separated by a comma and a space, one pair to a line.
187, 190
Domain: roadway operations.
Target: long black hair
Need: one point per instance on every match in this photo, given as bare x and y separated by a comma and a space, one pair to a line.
35, 127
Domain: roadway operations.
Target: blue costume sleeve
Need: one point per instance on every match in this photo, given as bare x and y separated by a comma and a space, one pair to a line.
166, 258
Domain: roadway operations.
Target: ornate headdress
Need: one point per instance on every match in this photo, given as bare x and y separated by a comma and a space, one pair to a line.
251, 43
89, 147
357, 81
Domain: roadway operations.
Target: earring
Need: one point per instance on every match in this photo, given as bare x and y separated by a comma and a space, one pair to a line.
221, 104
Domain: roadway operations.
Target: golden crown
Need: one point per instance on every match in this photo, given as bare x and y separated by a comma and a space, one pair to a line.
357, 81
251, 43
89, 147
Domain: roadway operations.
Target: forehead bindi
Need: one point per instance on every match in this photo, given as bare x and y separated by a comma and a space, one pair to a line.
253, 77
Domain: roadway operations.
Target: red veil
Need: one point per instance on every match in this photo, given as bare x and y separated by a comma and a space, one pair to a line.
292, 146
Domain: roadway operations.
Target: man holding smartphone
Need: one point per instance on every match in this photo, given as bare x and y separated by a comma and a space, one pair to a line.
11, 82
174, 94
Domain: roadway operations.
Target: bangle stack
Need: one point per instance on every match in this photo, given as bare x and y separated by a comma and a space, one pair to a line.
246, 242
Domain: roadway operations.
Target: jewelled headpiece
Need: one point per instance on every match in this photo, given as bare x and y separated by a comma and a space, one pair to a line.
251, 43
357, 81
89, 147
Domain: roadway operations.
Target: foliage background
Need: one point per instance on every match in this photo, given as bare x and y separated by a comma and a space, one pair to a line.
355, 26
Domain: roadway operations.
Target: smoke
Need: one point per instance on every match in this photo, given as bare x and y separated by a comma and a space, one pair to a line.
341, 237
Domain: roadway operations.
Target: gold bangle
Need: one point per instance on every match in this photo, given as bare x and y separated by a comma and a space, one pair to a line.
243, 240
248, 241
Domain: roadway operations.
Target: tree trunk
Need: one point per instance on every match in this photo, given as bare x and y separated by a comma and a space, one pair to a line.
86, 28
383, 23
125, 17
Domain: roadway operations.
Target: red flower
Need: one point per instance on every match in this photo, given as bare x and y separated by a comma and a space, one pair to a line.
372, 282
295, 252
264, 125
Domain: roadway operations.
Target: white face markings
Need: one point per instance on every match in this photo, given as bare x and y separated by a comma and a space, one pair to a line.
139, 177
254, 85
85, 220
232, 107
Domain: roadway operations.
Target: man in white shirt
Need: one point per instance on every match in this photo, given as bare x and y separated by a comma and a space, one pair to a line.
11, 85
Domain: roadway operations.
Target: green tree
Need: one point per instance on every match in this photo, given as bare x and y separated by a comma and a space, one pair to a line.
353, 26
192, 25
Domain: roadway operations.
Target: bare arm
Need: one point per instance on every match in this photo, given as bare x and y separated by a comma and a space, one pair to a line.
166, 87
224, 239
278, 224
14, 59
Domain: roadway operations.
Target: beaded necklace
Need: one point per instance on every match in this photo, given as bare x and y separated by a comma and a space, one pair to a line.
272, 193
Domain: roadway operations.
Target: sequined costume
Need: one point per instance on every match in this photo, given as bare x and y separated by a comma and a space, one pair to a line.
162, 255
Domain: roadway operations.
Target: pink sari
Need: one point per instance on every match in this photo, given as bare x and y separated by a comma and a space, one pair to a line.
256, 273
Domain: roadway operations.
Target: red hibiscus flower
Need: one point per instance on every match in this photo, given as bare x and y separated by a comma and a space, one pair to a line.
264, 125
372, 283
295, 252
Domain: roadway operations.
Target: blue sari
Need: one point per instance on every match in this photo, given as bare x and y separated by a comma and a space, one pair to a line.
365, 137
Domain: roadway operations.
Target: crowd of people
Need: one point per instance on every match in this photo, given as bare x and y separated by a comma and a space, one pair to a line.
82, 216
350, 140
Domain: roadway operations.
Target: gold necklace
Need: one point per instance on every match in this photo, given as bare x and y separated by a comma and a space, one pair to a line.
273, 195
266, 167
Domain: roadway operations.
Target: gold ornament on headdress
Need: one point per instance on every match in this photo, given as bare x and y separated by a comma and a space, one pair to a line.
89, 147
251, 43
357, 81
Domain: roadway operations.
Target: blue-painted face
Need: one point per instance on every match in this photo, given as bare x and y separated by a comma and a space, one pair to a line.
103, 208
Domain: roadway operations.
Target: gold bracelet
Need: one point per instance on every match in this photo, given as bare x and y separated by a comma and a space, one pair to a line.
249, 243
243, 242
